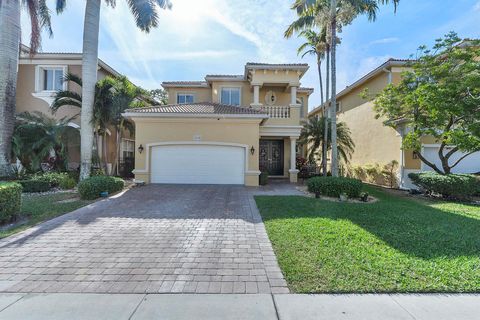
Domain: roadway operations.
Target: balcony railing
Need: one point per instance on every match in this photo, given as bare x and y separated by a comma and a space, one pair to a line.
279, 112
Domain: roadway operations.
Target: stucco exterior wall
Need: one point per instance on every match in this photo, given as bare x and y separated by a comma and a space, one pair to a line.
235, 131
201, 94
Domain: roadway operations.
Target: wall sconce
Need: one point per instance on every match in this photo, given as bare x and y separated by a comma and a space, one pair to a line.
252, 150
140, 148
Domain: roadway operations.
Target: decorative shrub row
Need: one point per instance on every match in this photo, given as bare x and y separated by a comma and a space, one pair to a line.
10, 200
460, 186
35, 185
335, 186
91, 188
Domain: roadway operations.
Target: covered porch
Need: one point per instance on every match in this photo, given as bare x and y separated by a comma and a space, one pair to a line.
277, 156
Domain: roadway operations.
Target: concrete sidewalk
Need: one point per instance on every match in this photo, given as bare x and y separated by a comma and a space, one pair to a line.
74, 306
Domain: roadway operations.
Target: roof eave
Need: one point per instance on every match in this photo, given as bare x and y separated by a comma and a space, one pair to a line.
130, 115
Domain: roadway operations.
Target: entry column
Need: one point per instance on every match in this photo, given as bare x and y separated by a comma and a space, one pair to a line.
293, 172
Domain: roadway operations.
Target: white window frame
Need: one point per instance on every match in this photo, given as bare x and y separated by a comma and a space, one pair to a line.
183, 93
39, 74
122, 149
231, 87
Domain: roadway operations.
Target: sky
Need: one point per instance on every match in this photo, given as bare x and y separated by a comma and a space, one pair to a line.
199, 37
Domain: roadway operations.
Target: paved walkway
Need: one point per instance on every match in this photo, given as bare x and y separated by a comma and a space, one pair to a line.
152, 239
238, 307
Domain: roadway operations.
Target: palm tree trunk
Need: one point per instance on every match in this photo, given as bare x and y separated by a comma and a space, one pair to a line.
319, 65
325, 132
105, 153
9, 52
333, 113
89, 77
117, 151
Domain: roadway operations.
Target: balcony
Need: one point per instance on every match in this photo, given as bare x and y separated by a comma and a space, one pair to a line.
277, 112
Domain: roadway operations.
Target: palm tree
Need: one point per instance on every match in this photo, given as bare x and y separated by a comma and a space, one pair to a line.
38, 138
313, 135
9, 52
334, 14
102, 110
146, 17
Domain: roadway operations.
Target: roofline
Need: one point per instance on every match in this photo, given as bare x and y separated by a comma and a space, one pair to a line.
130, 115
382, 68
307, 90
68, 56
300, 67
238, 78
169, 84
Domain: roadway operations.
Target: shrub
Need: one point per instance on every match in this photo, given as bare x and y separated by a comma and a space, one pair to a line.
53, 178
334, 186
67, 183
91, 188
10, 200
34, 185
460, 186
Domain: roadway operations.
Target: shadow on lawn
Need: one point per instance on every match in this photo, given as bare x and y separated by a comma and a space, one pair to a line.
409, 226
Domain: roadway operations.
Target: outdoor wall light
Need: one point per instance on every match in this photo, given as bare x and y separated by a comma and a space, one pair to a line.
140, 149
252, 150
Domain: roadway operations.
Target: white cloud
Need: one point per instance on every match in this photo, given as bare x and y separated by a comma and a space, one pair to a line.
476, 7
385, 41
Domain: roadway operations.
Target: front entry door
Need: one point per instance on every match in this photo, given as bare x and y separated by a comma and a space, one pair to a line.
271, 157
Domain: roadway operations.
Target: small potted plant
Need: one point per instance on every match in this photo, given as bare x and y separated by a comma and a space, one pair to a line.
263, 177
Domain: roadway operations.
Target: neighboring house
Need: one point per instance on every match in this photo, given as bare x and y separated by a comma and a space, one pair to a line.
224, 130
376, 143
40, 76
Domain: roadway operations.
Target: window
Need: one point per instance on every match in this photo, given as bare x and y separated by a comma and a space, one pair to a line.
52, 79
184, 98
230, 96
127, 149
301, 102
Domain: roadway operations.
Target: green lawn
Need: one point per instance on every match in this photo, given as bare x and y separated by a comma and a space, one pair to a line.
393, 245
38, 208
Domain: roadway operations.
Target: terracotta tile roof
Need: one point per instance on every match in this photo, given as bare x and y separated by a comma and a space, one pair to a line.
205, 108
184, 83
277, 64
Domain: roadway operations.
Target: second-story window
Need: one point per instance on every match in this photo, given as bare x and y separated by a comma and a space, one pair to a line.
52, 79
230, 96
183, 98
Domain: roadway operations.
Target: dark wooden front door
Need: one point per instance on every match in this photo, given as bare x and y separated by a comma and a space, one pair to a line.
271, 157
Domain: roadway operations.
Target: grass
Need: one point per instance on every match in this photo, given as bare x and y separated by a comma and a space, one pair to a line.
393, 245
37, 208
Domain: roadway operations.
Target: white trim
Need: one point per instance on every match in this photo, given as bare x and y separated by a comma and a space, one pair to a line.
231, 87
73, 125
185, 85
283, 131
252, 173
192, 115
149, 146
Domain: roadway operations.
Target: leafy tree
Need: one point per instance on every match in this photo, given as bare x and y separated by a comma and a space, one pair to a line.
438, 96
312, 135
10, 29
146, 17
38, 138
160, 96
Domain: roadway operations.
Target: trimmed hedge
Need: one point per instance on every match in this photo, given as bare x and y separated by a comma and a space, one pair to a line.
460, 186
91, 188
67, 183
35, 185
10, 200
335, 186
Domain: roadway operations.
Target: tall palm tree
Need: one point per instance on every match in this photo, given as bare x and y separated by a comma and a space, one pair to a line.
314, 13
146, 17
9, 52
313, 134
38, 138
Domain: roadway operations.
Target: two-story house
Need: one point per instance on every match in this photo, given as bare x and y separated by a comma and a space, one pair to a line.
376, 143
225, 129
39, 78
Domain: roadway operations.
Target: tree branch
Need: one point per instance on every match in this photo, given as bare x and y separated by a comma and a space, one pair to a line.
428, 163
461, 158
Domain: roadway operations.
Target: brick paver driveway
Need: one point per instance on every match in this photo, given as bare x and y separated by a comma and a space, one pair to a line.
157, 238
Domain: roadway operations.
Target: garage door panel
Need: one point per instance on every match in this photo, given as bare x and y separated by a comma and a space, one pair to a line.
470, 164
202, 164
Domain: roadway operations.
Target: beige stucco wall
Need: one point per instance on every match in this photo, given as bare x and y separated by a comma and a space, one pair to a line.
201, 94
235, 131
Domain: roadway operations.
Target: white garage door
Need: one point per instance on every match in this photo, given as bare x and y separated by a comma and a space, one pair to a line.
470, 164
198, 164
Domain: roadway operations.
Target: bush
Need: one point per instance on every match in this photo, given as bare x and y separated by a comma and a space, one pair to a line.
460, 186
91, 188
10, 200
34, 185
263, 178
67, 183
335, 186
